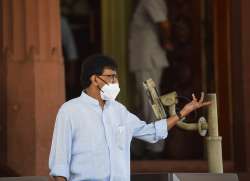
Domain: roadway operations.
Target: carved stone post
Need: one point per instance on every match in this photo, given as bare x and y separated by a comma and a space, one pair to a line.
33, 82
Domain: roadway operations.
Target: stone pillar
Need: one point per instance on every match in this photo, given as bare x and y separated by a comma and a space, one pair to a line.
34, 81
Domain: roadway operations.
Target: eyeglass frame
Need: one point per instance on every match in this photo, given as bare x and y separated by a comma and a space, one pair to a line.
112, 77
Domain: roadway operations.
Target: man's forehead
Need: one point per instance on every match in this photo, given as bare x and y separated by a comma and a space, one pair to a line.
109, 71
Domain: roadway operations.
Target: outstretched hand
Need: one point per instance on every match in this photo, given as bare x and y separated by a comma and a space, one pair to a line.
194, 104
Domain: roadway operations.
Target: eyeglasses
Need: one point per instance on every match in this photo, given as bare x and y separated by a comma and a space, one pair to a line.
112, 77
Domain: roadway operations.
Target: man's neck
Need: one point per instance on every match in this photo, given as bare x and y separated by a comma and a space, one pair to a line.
96, 95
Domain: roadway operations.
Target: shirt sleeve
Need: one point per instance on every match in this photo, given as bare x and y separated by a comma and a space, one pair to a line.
152, 132
60, 153
156, 9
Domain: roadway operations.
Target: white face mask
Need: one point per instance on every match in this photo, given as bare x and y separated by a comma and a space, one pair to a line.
110, 91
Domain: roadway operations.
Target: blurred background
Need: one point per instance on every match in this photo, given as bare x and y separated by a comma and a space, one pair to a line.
44, 42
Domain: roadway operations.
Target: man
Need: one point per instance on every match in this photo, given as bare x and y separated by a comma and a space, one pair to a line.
149, 39
92, 133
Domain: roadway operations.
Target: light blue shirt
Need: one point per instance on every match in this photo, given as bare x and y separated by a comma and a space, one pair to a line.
93, 144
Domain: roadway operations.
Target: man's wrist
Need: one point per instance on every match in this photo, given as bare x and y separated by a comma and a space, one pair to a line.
179, 115
183, 113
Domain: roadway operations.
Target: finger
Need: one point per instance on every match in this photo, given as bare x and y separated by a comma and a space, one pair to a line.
206, 103
194, 98
202, 97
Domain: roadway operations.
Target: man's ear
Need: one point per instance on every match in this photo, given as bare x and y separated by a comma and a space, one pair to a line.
93, 80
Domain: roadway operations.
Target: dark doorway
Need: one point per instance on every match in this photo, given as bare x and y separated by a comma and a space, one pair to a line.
83, 19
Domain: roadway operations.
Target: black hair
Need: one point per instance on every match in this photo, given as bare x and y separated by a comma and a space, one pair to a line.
95, 65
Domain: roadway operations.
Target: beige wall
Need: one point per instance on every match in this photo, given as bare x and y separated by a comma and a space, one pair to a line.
115, 21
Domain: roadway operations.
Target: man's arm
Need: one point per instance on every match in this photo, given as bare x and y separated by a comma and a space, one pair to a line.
157, 11
165, 34
188, 108
158, 130
60, 154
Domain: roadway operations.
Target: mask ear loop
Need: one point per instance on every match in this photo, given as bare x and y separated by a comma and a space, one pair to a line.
101, 80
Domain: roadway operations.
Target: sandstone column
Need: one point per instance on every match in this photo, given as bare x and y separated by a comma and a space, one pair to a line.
34, 81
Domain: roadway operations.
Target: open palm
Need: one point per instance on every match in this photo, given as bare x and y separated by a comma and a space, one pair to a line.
195, 104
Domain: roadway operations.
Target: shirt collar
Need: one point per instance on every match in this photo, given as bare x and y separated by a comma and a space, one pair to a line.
89, 99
